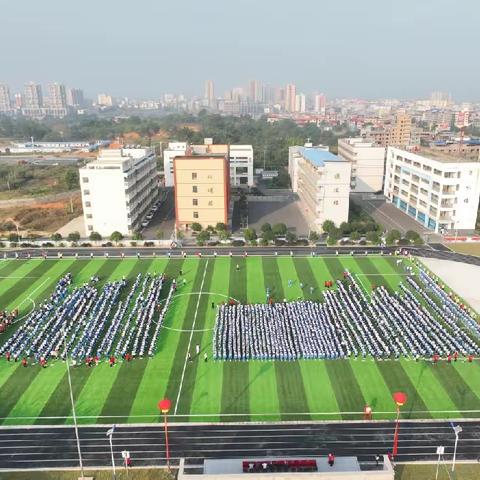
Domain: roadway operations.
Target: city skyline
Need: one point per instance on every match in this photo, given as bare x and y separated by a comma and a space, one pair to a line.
375, 50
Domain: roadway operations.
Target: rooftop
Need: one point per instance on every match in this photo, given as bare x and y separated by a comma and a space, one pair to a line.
318, 156
444, 157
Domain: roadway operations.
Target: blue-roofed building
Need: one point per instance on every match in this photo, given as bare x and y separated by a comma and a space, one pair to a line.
322, 182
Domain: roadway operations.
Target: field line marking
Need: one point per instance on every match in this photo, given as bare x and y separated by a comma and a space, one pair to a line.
190, 339
29, 297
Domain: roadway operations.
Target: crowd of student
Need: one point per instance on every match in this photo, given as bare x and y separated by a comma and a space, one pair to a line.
348, 324
92, 322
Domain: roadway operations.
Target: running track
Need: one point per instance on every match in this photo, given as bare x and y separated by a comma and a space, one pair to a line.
50, 447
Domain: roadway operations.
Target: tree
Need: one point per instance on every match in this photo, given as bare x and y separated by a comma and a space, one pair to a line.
116, 236
412, 235
331, 240
220, 227
335, 233
290, 237
223, 234
210, 229
345, 228
249, 234
56, 237
313, 237
279, 229
71, 179
95, 237
266, 227
392, 237
418, 241
13, 237
373, 237
137, 236
355, 236
203, 237
196, 227
73, 237
327, 226
268, 236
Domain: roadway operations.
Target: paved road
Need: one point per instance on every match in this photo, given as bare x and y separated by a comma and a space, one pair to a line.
164, 218
47, 447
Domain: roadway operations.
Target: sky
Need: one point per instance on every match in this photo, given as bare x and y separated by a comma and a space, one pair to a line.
144, 48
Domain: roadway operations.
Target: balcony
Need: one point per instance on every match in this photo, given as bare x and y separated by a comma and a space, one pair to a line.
449, 190
447, 204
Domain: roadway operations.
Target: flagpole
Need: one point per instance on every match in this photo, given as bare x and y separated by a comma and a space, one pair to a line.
110, 435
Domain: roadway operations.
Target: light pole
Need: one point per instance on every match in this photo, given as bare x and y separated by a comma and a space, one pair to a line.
74, 415
457, 430
400, 398
164, 406
110, 435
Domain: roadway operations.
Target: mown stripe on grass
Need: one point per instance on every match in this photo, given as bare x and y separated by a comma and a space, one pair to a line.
335, 268
290, 388
345, 386
235, 384
369, 268
176, 371
186, 394
397, 380
14, 387
306, 276
456, 387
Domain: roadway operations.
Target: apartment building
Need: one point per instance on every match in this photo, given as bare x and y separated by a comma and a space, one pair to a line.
202, 190
367, 161
397, 134
118, 190
322, 183
5, 100
240, 159
439, 190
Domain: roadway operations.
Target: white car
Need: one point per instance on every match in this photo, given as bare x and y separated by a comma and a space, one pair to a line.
144, 223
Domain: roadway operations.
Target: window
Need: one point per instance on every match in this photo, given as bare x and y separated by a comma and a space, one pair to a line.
337, 176
210, 203
90, 227
89, 215
194, 189
210, 190
195, 202
85, 179
337, 189
86, 192
335, 202
88, 204
195, 214
194, 175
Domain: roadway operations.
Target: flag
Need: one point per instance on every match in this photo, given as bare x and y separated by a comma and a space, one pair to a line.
110, 432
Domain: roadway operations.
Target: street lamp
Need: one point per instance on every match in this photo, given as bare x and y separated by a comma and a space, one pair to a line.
74, 415
400, 399
164, 406
110, 435
457, 429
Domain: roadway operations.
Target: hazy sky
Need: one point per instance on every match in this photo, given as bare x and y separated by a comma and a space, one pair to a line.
143, 48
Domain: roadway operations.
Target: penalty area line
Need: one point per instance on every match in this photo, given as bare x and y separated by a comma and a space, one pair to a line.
190, 339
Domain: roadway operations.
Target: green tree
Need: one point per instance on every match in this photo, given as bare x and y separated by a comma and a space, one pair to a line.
250, 234
266, 227
290, 237
196, 227
71, 179
411, 235
116, 236
418, 241
345, 228
13, 237
220, 227
268, 236
313, 237
355, 236
223, 235
137, 236
73, 237
279, 229
203, 237
56, 237
392, 237
327, 226
373, 237
331, 240
95, 237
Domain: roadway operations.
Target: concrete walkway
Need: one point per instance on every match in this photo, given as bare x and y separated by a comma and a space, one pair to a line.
464, 279
75, 225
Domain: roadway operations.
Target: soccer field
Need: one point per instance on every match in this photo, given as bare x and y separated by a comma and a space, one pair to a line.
216, 390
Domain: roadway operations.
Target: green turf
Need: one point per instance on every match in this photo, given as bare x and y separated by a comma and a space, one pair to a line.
214, 390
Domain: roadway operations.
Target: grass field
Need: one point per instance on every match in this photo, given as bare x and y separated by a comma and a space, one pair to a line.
222, 391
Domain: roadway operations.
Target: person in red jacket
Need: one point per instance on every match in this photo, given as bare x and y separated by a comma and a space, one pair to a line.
331, 459
111, 361
24, 362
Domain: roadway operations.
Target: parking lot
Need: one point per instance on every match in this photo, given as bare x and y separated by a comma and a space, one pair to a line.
163, 220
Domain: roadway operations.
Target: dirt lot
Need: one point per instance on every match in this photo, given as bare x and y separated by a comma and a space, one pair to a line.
469, 248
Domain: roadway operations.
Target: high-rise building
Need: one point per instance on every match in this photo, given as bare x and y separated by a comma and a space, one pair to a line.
401, 131
440, 100
202, 190
300, 103
368, 163
124, 178
18, 100
104, 100
255, 91
319, 103
323, 184
5, 100
290, 96
32, 96
75, 97
441, 191
57, 96
209, 94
